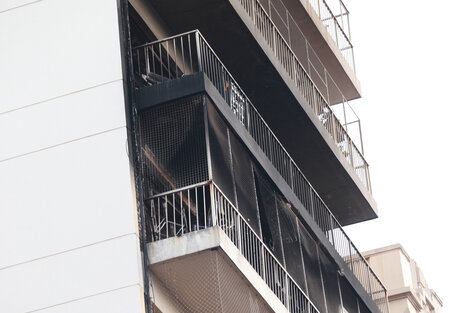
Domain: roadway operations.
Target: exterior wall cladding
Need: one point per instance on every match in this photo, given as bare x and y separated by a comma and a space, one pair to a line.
151, 179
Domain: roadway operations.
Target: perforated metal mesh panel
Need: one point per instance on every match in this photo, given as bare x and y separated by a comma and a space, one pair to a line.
330, 280
220, 152
215, 287
244, 182
173, 145
291, 242
348, 296
268, 216
312, 269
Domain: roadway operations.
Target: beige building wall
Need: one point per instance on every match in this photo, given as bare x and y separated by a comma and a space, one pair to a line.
407, 288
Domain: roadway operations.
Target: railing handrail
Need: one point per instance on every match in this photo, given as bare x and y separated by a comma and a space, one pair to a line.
177, 190
165, 39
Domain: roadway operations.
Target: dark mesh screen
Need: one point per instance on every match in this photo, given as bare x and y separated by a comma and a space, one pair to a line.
268, 216
348, 296
363, 308
244, 182
220, 152
173, 145
291, 242
330, 280
312, 269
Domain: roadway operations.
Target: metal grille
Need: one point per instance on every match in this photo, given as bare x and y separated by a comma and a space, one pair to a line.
244, 182
312, 268
221, 158
173, 145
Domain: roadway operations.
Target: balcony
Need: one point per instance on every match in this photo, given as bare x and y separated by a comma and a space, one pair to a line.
295, 94
194, 215
197, 125
199, 225
325, 24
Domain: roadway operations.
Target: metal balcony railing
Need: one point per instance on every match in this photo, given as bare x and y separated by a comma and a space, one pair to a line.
333, 14
187, 53
204, 205
315, 98
337, 23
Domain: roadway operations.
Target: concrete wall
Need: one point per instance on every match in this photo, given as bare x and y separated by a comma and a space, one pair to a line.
68, 227
407, 288
402, 306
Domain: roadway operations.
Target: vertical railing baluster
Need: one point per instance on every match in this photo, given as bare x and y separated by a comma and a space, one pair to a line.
174, 215
181, 212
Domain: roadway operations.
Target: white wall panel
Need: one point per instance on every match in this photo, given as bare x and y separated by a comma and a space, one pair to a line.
69, 276
63, 119
65, 197
126, 300
55, 47
13, 4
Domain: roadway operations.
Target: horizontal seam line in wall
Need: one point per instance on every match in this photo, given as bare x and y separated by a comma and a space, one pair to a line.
61, 96
66, 251
62, 143
20, 6
82, 298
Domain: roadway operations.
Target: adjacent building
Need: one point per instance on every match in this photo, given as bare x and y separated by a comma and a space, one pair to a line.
404, 280
181, 156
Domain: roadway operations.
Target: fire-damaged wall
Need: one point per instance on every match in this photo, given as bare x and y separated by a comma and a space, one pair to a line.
186, 142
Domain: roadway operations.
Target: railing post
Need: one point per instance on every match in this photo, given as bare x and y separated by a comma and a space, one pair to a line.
295, 73
248, 117
147, 60
350, 144
331, 119
198, 52
263, 263
239, 239
319, 9
291, 176
213, 205
336, 31
332, 231
287, 292
350, 257
369, 185
368, 278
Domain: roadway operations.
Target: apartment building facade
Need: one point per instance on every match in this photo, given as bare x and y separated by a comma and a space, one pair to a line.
181, 156
407, 288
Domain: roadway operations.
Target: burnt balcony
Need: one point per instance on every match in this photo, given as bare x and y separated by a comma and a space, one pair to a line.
199, 225
206, 253
197, 126
294, 93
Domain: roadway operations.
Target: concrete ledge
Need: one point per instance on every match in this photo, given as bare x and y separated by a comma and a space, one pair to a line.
193, 242
207, 240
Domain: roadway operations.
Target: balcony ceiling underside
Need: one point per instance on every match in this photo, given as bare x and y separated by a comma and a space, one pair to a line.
204, 278
300, 132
